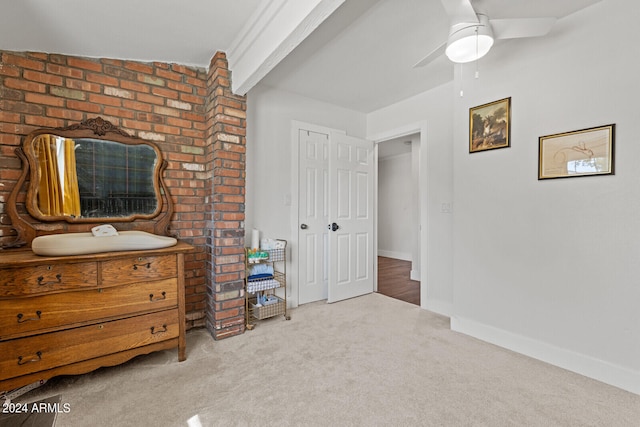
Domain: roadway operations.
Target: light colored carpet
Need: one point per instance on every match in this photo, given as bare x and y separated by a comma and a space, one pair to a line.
371, 361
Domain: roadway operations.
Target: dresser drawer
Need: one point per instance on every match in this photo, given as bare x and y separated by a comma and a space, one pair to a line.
32, 354
47, 278
20, 316
135, 269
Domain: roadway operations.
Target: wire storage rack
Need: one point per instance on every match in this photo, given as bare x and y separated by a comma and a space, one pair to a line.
266, 283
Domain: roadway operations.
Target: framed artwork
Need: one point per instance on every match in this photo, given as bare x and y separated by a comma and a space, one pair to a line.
582, 152
490, 126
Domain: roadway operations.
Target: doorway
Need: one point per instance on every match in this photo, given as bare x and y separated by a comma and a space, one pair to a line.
335, 214
399, 218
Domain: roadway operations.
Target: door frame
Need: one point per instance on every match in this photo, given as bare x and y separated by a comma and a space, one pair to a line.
293, 272
419, 127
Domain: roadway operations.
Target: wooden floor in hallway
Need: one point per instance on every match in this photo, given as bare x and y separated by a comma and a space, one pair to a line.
394, 280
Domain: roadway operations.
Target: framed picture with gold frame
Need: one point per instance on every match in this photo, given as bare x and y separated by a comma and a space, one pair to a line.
583, 152
490, 126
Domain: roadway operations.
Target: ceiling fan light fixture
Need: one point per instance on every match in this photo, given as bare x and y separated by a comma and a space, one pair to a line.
470, 42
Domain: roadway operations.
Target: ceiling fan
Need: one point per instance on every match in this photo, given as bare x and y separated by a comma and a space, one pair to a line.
472, 33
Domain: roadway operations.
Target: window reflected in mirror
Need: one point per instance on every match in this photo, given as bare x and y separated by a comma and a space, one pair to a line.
117, 179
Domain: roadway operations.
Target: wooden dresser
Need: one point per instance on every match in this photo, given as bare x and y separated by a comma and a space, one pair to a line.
73, 314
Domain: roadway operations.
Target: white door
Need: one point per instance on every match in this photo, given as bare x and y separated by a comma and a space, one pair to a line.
313, 216
335, 184
351, 185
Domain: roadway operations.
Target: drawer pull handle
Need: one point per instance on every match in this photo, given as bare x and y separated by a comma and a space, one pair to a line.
58, 280
146, 264
21, 360
164, 329
22, 320
160, 298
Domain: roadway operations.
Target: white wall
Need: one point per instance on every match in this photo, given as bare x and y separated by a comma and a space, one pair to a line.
269, 116
396, 224
550, 268
429, 113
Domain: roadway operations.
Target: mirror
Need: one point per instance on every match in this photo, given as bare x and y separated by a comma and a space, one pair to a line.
92, 172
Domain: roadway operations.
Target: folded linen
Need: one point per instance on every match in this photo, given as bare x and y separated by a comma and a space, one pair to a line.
262, 285
260, 276
261, 269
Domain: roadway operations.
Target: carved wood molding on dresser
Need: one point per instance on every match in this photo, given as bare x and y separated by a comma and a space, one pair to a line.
73, 314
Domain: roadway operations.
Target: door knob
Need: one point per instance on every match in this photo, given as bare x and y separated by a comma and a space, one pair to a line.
303, 226
333, 226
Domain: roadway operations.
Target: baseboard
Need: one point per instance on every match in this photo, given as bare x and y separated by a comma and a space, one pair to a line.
600, 370
395, 255
415, 275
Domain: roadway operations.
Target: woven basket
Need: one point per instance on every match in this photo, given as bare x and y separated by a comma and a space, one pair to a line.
266, 311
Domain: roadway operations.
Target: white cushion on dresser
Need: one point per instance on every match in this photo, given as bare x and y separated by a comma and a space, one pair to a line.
87, 243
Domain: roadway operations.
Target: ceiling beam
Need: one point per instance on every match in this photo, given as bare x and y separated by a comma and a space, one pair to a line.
273, 31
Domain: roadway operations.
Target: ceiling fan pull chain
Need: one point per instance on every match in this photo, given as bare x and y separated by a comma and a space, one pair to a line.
461, 82
477, 72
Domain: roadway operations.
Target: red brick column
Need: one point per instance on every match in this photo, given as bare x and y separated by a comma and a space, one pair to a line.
225, 167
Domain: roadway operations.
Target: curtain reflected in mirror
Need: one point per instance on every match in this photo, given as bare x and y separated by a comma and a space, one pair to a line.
58, 193
92, 178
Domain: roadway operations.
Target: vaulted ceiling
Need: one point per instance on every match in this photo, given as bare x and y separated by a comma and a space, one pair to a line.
184, 32
360, 57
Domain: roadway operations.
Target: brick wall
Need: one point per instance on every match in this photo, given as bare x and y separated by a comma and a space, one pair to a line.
175, 106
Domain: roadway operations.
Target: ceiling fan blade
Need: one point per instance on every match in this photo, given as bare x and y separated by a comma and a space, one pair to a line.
437, 52
524, 27
459, 11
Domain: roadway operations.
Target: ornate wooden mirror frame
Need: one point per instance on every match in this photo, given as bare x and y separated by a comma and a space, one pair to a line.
152, 212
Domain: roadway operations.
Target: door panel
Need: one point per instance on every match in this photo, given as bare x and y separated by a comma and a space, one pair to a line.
342, 259
311, 258
363, 210
351, 184
362, 263
343, 183
313, 212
